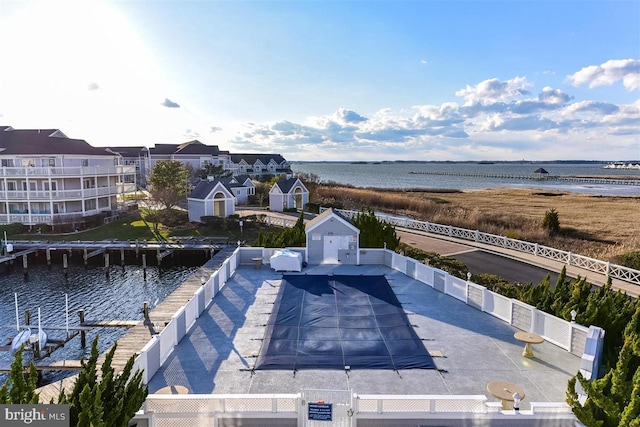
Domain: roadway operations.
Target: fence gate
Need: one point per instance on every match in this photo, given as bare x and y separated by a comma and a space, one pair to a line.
326, 408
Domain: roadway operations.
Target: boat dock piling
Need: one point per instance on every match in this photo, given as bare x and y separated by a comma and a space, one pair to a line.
71, 332
90, 249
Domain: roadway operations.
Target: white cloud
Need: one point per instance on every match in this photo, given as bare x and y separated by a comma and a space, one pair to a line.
493, 90
614, 70
498, 117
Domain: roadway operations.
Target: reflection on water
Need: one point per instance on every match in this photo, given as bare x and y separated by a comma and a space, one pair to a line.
119, 296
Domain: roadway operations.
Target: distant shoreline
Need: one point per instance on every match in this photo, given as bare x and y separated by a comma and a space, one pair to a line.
475, 162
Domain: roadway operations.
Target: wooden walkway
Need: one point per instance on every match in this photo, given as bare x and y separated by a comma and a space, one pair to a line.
140, 334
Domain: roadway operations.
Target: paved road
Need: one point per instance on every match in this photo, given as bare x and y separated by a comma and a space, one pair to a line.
481, 258
479, 261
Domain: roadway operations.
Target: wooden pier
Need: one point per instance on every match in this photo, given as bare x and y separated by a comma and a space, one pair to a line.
617, 180
135, 252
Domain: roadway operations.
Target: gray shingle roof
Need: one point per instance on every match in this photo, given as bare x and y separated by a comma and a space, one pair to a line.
43, 142
251, 158
190, 147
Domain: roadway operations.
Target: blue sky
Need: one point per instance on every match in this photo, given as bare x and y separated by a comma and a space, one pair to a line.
331, 80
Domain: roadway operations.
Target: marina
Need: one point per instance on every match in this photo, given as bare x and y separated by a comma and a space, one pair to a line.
112, 304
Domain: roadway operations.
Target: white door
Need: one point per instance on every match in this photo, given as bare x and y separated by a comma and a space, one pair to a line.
330, 249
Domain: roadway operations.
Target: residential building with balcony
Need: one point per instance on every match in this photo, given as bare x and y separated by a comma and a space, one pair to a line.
49, 178
137, 156
193, 153
257, 165
198, 155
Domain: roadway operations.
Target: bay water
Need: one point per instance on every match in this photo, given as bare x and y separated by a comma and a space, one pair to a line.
436, 175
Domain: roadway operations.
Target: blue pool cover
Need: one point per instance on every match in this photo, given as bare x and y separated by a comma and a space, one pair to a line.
340, 322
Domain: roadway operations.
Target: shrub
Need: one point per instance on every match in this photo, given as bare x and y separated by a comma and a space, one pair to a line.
214, 222
629, 259
11, 229
173, 217
551, 221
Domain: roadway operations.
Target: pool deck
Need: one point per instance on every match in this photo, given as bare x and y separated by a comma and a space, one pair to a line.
470, 348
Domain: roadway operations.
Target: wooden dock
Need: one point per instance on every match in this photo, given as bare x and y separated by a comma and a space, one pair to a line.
60, 365
140, 334
89, 249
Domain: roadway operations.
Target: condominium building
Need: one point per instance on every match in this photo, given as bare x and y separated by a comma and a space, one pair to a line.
198, 155
49, 178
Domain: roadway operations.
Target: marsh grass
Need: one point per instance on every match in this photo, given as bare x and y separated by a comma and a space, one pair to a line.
594, 226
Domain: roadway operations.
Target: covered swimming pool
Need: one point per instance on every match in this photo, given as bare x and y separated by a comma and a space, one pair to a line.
339, 322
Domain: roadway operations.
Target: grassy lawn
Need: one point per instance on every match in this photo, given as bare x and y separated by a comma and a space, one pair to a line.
134, 227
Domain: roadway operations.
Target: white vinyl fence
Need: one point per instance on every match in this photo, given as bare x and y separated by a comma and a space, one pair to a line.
284, 409
612, 270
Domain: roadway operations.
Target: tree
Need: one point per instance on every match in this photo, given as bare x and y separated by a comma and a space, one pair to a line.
110, 401
311, 181
375, 233
614, 399
551, 221
294, 236
169, 180
262, 192
215, 171
18, 389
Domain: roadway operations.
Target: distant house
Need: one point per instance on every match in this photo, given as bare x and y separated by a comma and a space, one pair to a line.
194, 153
210, 198
198, 155
241, 187
540, 173
287, 194
332, 239
256, 165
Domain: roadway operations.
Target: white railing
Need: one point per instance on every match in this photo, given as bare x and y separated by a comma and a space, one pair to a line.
382, 404
158, 349
67, 171
567, 335
198, 409
612, 270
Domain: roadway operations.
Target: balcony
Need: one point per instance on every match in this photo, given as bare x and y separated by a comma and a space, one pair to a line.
47, 218
62, 172
62, 195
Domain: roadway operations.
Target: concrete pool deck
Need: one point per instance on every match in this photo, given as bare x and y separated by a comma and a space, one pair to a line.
470, 348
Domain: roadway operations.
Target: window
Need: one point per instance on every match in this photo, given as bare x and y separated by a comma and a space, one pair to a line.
85, 163
51, 163
7, 163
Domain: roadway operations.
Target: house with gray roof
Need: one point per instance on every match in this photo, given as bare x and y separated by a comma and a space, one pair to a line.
288, 194
332, 239
48, 178
211, 198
